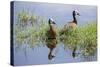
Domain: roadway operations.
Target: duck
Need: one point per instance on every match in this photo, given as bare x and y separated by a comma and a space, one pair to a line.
73, 24
51, 40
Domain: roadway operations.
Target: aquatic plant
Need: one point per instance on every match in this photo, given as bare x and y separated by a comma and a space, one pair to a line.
89, 39
33, 30
84, 38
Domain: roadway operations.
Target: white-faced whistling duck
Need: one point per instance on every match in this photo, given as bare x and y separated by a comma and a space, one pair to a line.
51, 38
73, 24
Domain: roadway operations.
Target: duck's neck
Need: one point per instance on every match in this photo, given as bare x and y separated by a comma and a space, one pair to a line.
74, 19
51, 28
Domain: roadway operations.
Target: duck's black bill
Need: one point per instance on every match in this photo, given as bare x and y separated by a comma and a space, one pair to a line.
53, 22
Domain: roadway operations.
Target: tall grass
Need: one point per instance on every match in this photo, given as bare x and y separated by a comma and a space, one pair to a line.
83, 38
32, 29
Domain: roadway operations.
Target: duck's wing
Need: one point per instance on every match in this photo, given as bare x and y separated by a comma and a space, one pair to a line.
72, 25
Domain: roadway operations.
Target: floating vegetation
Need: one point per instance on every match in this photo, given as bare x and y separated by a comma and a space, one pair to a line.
32, 29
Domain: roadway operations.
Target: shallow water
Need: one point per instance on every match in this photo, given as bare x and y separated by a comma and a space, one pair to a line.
39, 55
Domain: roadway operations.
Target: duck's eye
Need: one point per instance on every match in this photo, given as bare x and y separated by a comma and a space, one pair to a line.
78, 14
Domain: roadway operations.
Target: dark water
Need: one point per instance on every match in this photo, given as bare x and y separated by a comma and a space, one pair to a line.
61, 14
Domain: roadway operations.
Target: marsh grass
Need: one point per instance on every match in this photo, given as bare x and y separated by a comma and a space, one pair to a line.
84, 38
32, 29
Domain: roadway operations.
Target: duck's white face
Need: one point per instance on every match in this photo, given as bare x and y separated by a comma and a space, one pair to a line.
77, 12
52, 21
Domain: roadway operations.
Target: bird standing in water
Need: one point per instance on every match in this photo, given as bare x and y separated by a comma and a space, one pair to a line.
51, 38
71, 26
